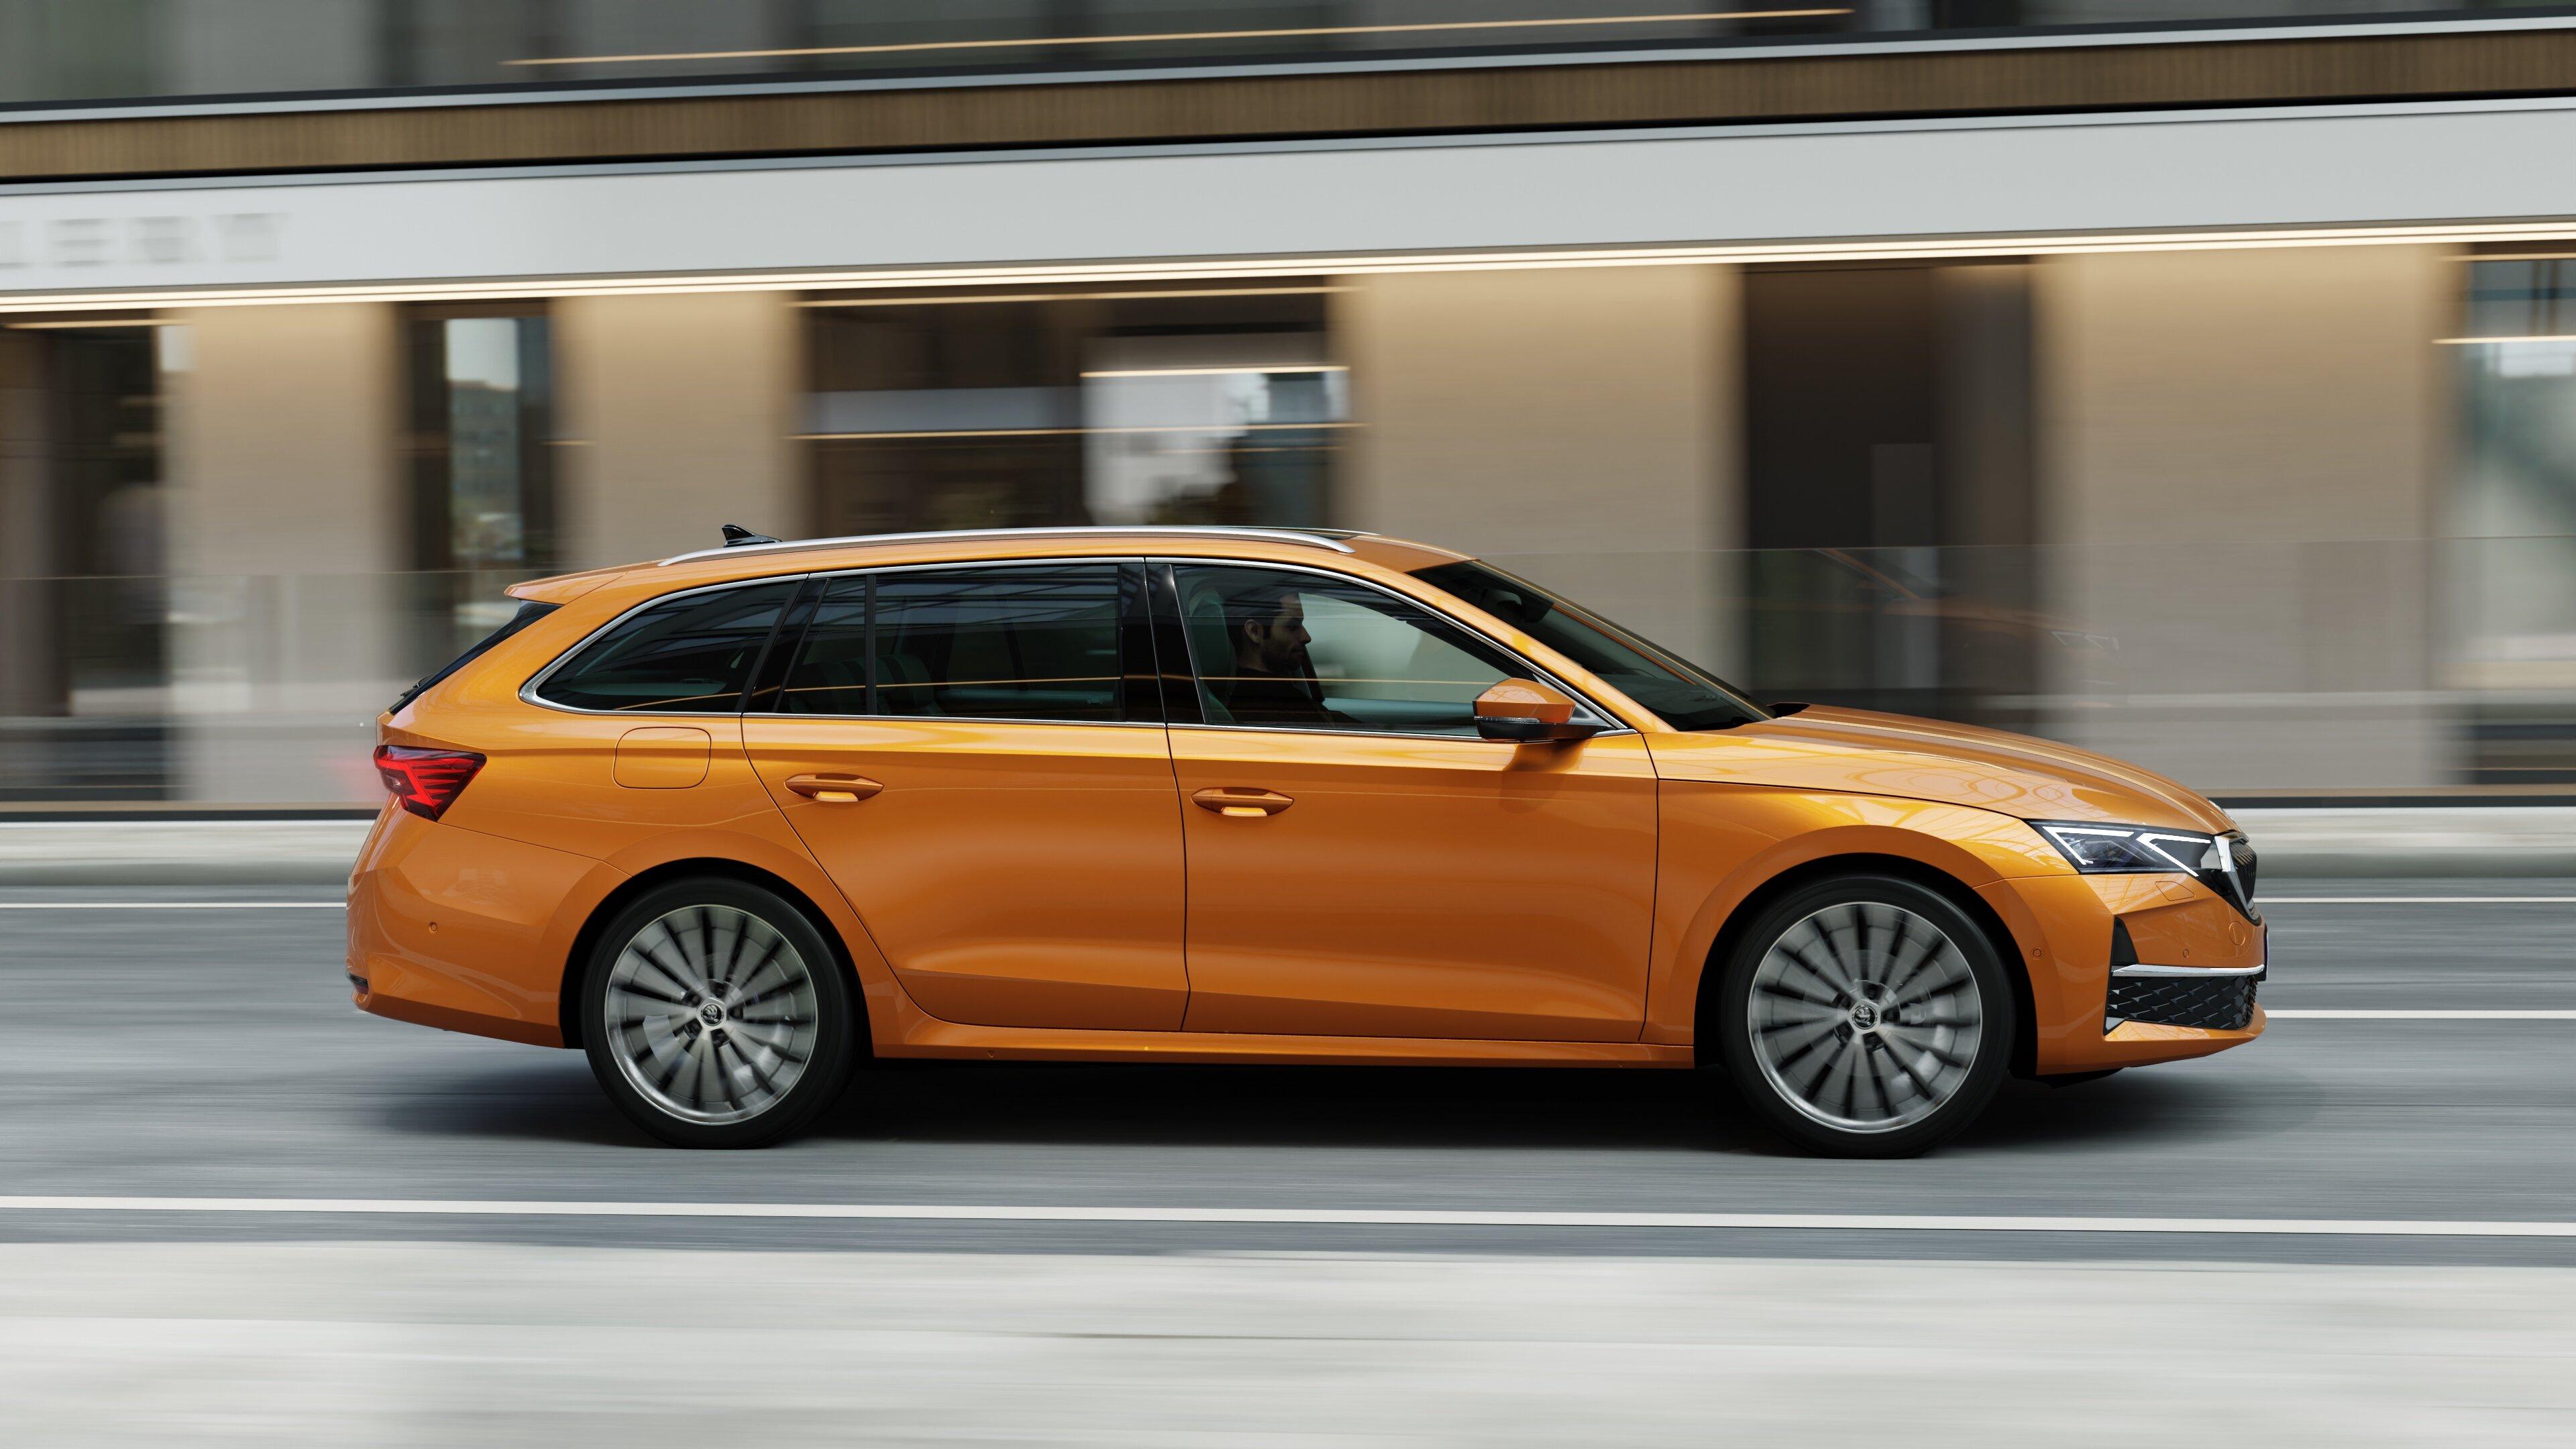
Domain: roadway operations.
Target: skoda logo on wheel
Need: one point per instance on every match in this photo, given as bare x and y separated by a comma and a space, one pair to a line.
1865, 1015
711, 1014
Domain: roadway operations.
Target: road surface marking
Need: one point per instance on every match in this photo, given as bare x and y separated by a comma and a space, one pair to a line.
342, 905
2336, 1013
174, 905
2417, 901
1329, 1217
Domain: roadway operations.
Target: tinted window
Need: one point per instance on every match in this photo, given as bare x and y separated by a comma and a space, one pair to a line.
1284, 650
1681, 693
686, 655
527, 613
1038, 642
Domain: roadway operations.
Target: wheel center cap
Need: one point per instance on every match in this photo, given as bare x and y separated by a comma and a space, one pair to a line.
1864, 1016
711, 1014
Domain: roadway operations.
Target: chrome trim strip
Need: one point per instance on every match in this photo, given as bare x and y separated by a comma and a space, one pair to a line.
969, 535
528, 691
1613, 730
685, 88
2192, 971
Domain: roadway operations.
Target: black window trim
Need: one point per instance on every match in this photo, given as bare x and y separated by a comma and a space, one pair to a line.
1123, 564
1167, 597
530, 691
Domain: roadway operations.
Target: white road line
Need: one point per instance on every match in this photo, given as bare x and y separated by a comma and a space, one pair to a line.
1323, 1217
343, 906
173, 905
2334, 1013
2270, 901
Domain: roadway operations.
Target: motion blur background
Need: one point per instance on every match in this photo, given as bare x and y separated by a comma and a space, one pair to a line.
2196, 381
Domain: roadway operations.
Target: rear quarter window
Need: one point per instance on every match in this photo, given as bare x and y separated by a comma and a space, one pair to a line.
689, 654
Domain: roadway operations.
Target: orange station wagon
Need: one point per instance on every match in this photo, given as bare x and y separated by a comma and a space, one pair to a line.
737, 821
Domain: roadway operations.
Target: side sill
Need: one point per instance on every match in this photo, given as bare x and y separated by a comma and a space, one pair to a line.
929, 1037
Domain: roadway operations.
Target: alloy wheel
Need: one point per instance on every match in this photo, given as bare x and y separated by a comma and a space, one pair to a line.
713, 1012
1865, 1017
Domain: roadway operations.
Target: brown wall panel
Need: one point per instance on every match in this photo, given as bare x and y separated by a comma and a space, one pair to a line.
1921, 83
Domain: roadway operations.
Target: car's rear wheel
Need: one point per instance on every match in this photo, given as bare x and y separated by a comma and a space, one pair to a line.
1865, 1016
715, 1016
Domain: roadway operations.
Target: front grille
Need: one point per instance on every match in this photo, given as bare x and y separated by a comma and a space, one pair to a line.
2241, 851
2212, 1003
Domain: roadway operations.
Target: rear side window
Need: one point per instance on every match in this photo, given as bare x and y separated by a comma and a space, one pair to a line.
527, 613
1037, 642
685, 655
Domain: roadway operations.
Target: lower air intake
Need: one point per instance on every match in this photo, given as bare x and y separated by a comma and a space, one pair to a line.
2217, 1003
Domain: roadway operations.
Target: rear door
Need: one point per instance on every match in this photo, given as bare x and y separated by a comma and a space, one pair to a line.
975, 754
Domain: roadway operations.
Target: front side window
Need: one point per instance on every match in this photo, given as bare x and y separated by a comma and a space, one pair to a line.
1036, 642
1682, 694
685, 655
1278, 649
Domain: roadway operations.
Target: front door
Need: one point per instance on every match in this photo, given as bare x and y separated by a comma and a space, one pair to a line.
965, 751
1361, 863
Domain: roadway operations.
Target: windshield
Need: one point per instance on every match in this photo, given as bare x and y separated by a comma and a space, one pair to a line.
1682, 694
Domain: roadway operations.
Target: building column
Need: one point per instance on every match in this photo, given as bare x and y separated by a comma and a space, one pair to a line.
31, 673
287, 541
2240, 451
1576, 426
678, 416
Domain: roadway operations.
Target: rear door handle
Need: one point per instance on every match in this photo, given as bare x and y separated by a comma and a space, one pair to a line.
1242, 802
833, 789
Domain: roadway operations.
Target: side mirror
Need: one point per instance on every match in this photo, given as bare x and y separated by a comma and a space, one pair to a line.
1528, 712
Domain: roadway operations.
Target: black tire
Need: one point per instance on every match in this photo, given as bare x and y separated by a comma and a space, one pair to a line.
736, 994
1909, 1074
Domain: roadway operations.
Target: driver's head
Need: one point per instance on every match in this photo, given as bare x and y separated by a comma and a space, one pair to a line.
1268, 623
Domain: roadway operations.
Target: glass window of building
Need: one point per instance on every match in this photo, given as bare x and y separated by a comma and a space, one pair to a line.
1890, 495
1171, 404
2511, 561
84, 604
482, 464
111, 49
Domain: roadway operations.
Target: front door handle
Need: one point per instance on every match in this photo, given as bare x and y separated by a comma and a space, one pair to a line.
1242, 802
833, 789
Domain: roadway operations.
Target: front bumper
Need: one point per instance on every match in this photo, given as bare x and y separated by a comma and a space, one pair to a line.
2212, 998
2073, 929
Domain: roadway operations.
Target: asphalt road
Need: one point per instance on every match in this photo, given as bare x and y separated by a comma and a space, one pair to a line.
167, 1053
212, 1053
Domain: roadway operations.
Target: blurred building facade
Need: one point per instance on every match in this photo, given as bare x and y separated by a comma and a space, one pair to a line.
2194, 381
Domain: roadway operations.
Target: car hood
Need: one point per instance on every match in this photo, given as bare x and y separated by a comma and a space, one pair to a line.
1859, 752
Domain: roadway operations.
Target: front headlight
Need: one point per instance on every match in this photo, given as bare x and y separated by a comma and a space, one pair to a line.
2224, 863
2127, 849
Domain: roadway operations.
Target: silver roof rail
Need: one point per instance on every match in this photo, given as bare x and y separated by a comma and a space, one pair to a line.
1160, 530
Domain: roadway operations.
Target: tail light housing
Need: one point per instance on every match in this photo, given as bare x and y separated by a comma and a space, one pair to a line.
425, 781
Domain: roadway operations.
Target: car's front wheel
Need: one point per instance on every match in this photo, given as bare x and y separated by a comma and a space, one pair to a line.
715, 1016
1864, 1016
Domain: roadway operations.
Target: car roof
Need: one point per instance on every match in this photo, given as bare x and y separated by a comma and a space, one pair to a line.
813, 555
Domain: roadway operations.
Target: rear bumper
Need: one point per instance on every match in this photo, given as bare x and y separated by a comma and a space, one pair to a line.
463, 931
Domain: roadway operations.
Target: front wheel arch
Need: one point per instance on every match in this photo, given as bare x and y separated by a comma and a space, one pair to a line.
2025, 1044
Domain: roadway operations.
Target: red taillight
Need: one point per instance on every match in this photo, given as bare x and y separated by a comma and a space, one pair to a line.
426, 781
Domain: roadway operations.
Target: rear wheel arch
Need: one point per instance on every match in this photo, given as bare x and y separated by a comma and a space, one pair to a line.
577, 960
2025, 1044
